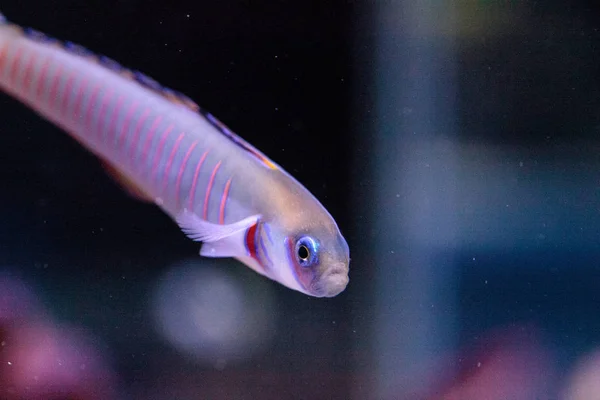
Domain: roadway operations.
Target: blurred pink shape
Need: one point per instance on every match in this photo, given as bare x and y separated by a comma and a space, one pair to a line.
40, 360
584, 382
505, 364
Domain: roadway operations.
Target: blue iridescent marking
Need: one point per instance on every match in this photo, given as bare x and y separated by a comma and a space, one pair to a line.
268, 232
110, 64
261, 242
39, 37
238, 140
147, 81
312, 247
79, 50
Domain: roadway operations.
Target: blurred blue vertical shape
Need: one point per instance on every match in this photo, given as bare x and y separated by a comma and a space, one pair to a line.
414, 178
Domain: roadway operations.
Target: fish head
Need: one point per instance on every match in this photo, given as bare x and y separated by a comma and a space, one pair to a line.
312, 258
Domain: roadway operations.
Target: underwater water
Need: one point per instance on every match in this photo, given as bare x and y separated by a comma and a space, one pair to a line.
456, 146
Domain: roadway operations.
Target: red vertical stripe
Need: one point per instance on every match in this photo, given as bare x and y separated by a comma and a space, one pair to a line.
251, 241
53, 93
97, 128
170, 160
136, 132
90, 106
88, 118
126, 123
112, 121
77, 103
211, 182
42, 78
182, 170
159, 150
26, 82
66, 94
3, 58
224, 202
195, 180
148, 141
14, 66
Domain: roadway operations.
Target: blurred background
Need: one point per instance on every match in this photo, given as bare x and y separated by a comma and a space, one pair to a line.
456, 144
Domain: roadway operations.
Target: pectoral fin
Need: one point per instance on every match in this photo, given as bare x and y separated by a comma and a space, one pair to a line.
218, 240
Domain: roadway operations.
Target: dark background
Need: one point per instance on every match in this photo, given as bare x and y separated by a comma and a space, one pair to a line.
303, 82
279, 74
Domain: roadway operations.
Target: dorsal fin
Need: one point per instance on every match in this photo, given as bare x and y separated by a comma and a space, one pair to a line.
150, 84
238, 140
137, 76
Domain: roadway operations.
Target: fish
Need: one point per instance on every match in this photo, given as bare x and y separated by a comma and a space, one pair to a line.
165, 149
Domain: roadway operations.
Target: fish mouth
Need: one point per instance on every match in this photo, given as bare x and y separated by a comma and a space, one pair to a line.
331, 283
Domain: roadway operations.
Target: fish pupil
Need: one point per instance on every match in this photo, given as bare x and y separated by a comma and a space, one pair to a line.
303, 252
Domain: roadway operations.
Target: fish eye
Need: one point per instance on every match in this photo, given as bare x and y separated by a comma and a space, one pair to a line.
306, 251
303, 252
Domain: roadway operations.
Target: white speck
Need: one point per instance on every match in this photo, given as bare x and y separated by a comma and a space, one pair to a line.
397, 194
188, 15
478, 364
486, 281
276, 108
9, 363
473, 258
158, 201
3, 343
276, 56
520, 163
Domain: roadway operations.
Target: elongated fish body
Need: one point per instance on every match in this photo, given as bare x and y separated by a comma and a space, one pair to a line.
165, 149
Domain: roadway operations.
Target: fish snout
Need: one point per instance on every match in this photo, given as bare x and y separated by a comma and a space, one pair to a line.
332, 282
